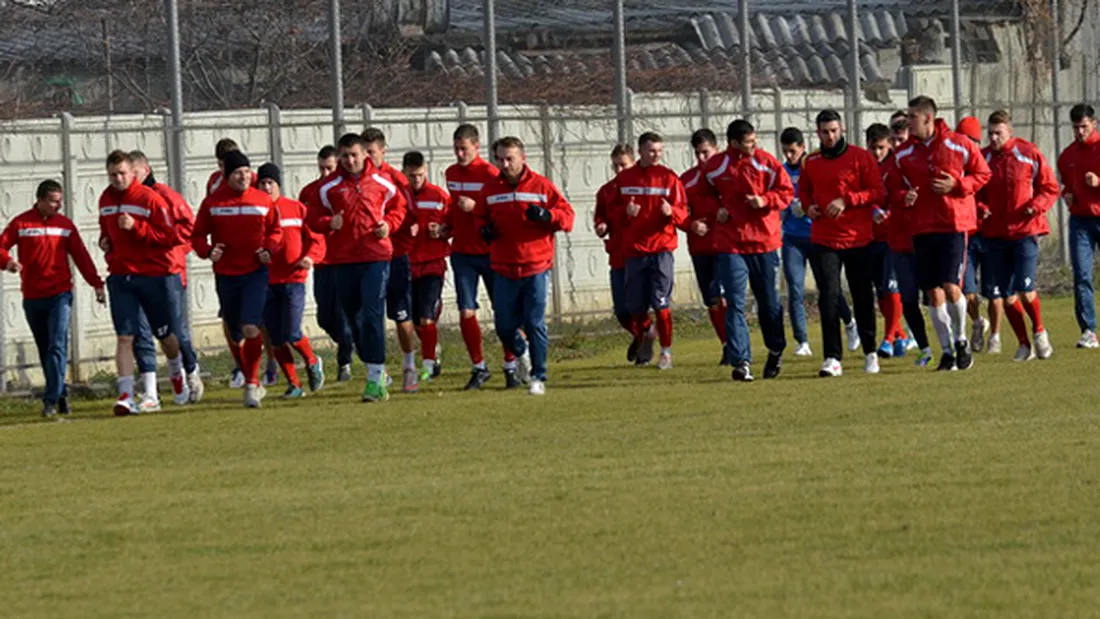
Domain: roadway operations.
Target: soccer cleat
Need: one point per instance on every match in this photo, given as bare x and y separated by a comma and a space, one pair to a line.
870, 363
924, 359
478, 378
293, 393
387, 380
437, 371
410, 381
977, 334
632, 350
899, 348
665, 361
316, 374
911, 343
425, 376
852, 331
180, 391
523, 367
345, 373
1088, 340
253, 395
993, 346
149, 404
195, 386
773, 365
1024, 353
63, 406
49, 411
963, 359
236, 379
1043, 349
537, 387
270, 378
886, 350
645, 351
947, 363
125, 406
831, 368
511, 379
803, 350
742, 372
375, 392
725, 356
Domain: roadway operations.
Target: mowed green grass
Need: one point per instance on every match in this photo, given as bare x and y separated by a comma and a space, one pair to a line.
622, 493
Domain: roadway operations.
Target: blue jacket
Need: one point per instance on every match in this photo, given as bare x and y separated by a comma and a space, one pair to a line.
795, 227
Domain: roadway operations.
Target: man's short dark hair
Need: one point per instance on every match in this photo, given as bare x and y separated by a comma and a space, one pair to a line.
351, 139
224, 146
1000, 117
738, 130
467, 131
827, 116
509, 142
118, 156
1080, 112
47, 187
792, 135
374, 135
622, 150
923, 103
649, 137
876, 133
413, 159
327, 152
703, 136
138, 156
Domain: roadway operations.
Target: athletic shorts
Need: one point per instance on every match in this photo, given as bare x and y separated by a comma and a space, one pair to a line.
399, 290
882, 269
975, 276
283, 312
427, 298
242, 298
649, 282
1010, 266
706, 276
155, 295
905, 270
941, 259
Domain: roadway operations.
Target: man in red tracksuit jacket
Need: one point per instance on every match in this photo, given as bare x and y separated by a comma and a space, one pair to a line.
939, 171
144, 347
655, 204
522, 211
1079, 168
137, 232
470, 252
609, 222
428, 259
361, 207
44, 240
238, 229
1014, 209
753, 187
330, 316
877, 139
286, 292
839, 186
703, 205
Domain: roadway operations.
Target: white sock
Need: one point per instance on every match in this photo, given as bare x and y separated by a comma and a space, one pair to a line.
375, 372
941, 321
666, 351
429, 365
149, 379
196, 372
126, 385
480, 366
957, 311
510, 365
175, 366
410, 360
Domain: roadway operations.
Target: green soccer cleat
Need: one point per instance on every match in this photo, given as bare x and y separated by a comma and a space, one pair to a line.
375, 392
293, 393
426, 376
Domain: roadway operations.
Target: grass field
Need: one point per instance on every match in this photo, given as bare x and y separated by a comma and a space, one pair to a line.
622, 493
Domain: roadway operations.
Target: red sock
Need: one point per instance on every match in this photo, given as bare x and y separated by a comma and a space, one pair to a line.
1034, 313
286, 362
509, 356
429, 337
626, 321
639, 325
252, 353
235, 350
1015, 314
890, 305
718, 320
899, 313
304, 349
664, 327
471, 334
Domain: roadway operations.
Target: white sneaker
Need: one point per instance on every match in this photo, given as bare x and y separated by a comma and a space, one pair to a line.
803, 350
994, 345
194, 383
852, 331
181, 391
870, 364
523, 367
977, 334
1024, 353
149, 404
1088, 340
236, 380
831, 368
665, 361
537, 388
1043, 349
253, 395
911, 343
125, 406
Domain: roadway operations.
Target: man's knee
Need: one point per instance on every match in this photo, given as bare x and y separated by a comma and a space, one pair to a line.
250, 331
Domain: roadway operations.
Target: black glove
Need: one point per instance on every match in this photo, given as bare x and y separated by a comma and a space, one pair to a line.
488, 232
538, 214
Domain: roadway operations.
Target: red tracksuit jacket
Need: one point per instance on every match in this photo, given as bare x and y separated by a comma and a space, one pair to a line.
919, 163
853, 176
523, 248
298, 242
703, 204
244, 223
468, 181
1021, 180
736, 176
147, 248
44, 247
402, 237
429, 256
651, 232
897, 223
608, 211
1075, 161
310, 195
184, 219
365, 202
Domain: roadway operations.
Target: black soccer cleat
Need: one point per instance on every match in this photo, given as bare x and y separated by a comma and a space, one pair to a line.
964, 360
947, 363
742, 372
511, 379
478, 378
632, 350
645, 350
773, 365
726, 360
63, 406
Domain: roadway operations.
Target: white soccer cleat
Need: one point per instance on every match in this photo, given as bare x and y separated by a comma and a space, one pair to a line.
830, 369
993, 347
852, 331
523, 367
149, 404
125, 406
254, 395
803, 350
1088, 340
236, 379
977, 334
1024, 353
194, 384
537, 387
870, 364
1043, 348
665, 361
181, 391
